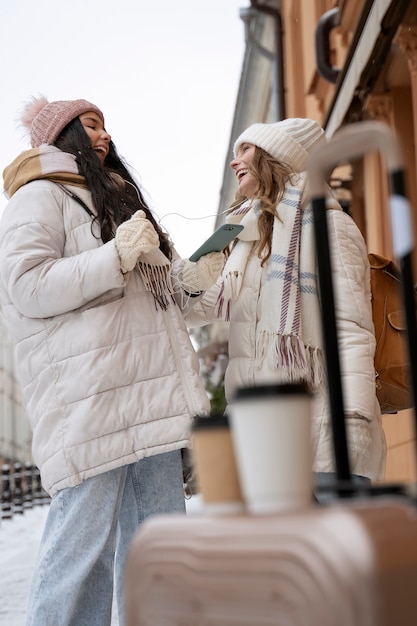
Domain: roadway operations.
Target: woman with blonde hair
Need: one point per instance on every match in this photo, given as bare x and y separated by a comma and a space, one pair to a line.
268, 293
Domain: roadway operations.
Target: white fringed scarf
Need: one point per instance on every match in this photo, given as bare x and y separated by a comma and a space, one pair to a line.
288, 334
155, 270
48, 162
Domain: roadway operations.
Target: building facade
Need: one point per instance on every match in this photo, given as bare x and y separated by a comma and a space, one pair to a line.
339, 62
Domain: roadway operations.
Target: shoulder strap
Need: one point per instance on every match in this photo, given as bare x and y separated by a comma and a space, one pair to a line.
77, 199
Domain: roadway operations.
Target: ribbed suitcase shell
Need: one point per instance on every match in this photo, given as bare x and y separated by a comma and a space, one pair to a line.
342, 565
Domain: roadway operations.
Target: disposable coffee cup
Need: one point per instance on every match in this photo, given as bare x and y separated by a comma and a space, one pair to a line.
215, 465
271, 433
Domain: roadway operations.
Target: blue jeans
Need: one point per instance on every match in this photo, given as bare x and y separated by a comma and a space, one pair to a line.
87, 535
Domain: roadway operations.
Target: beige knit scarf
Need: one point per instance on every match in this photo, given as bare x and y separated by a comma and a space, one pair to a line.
48, 162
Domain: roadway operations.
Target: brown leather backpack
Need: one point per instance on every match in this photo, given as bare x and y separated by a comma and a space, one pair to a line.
391, 356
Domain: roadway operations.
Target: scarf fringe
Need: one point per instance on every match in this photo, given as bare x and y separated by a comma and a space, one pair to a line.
292, 357
231, 285
157, 280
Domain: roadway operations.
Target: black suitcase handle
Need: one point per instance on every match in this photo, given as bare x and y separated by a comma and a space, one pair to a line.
346, 145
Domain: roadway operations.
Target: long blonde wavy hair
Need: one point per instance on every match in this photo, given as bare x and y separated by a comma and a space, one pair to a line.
271, 177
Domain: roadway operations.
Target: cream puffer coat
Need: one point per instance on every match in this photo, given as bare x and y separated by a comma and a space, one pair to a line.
107, 376
367, 448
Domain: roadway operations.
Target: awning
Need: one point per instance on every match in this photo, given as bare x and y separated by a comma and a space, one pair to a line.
373, 35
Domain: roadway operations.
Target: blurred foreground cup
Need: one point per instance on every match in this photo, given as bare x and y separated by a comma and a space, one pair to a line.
270, 428
215, 465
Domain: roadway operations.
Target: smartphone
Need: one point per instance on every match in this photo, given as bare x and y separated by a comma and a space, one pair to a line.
218, 241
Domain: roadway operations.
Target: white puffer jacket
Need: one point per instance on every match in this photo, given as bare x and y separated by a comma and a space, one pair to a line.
367, 448
108, 377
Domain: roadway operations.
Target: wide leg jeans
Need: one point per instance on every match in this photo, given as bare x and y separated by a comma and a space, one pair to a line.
87, 535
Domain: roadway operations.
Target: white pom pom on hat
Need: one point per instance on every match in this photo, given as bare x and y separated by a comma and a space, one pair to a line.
289, 141
45, 120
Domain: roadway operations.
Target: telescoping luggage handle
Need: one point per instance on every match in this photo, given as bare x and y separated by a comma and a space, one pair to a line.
346, 145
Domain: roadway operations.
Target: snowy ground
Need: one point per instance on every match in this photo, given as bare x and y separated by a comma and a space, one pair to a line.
19, 541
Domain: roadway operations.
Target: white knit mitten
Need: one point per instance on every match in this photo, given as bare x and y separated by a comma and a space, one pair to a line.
202, 274
133, 237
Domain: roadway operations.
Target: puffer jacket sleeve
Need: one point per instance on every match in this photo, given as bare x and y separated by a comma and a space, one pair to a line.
355, 328
204, 310
197, 310
33, 233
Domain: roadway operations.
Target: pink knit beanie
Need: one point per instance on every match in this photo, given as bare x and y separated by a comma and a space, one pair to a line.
45, 120
289, 141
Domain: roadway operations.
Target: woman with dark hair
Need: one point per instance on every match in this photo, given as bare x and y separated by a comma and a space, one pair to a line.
113, 189
94, 295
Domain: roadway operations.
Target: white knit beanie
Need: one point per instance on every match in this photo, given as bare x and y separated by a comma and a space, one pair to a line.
288, 141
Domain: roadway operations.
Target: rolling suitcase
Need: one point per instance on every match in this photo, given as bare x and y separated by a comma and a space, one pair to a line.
330, 566
351, 563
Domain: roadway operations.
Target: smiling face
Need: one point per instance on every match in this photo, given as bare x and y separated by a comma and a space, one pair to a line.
99, 137
247, 183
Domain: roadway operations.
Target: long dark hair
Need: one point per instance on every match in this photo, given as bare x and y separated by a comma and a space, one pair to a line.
115, 193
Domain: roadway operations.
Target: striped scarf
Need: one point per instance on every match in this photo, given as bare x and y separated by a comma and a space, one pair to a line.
288, 334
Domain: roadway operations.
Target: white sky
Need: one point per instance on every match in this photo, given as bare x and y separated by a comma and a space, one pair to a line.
165, 74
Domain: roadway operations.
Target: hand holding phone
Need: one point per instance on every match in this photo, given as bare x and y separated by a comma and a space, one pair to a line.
218, 241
